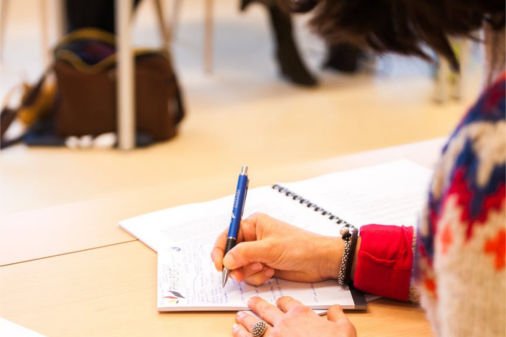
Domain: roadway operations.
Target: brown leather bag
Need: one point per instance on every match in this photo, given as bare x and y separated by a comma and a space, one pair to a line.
87, 101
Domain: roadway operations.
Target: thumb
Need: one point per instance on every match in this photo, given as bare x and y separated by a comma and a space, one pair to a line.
335, 313
246, 253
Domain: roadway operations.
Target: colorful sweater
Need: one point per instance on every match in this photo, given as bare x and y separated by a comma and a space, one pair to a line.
459, 260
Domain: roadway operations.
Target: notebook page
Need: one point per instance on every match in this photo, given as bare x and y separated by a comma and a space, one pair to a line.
204, 221
391, 193
8, 328
187, 281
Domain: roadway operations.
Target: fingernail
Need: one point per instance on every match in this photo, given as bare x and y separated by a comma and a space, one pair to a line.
236, 275
235, 327
269, 272
241, 314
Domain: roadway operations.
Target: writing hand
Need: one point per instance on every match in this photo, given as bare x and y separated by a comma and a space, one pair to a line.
268, 247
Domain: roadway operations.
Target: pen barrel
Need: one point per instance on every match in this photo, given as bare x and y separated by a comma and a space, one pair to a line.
230, 244
239, 200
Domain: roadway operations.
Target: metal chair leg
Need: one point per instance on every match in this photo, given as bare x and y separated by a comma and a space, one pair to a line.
176, 10
164, 28
4, 5
208, 39
44, 28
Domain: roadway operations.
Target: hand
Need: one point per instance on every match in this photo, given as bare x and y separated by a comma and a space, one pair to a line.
268, 247
292, 319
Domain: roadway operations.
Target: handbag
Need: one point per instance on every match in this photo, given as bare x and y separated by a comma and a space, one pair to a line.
85, 66
84, 102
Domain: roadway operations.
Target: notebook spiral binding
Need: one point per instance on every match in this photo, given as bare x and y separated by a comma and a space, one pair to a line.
311, 205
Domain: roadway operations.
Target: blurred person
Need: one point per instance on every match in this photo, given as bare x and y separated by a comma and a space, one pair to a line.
98, 14
456, 263
291, 63
341, 56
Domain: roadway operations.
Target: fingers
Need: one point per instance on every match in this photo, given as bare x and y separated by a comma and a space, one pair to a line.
266, 311
247, 232
246, 323
246, 272
240, 331
252, 275
335, 313
252, 269
249, 228
219, 250
287, 303
261, 277
249, 252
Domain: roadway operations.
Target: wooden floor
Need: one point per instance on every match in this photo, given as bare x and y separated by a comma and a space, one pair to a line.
242, 113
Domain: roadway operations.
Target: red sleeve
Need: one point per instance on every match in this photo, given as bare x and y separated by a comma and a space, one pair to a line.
384, 261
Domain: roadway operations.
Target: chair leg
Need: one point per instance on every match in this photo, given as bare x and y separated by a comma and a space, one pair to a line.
208, 40
441, 84
59, 7
44, 23
162, 24
174, 20
208, 31
4, 4
125, 81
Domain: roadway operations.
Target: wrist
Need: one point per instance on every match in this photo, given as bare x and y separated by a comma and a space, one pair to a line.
332, 253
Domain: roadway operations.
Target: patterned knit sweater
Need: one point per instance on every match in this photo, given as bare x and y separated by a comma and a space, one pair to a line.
459, 260
461, 268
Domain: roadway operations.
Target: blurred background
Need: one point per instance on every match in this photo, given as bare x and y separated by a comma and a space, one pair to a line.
243, 111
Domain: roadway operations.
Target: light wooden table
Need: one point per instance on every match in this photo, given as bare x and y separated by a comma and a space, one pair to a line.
69, 270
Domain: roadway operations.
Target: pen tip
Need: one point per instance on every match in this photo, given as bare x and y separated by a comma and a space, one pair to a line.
224, 277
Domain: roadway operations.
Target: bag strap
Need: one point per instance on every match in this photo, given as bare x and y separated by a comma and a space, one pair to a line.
9, 115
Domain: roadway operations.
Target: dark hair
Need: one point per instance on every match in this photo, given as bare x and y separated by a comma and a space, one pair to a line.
402, 26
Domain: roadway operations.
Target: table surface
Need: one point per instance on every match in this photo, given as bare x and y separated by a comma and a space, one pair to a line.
69, 270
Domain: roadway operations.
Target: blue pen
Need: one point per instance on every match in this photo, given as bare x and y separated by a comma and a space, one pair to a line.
240, 198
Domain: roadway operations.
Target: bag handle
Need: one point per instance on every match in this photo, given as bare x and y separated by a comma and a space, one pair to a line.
62, 53
87, 34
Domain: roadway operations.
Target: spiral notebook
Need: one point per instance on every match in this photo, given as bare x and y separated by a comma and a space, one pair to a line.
391, 193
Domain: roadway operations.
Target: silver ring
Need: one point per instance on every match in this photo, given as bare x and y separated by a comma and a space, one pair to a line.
259, 329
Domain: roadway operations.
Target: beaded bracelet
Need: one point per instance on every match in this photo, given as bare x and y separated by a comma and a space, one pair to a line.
349, 234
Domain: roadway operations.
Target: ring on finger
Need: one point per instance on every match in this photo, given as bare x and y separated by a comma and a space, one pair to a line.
259, 329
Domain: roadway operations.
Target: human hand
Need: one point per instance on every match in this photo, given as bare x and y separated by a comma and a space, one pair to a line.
292, 319
268, 247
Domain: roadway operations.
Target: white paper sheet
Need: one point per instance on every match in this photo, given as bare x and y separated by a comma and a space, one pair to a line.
10, 329
206, 220
391, 193
187, 281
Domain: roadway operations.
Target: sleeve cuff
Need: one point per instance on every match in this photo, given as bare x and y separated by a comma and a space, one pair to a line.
384, 261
